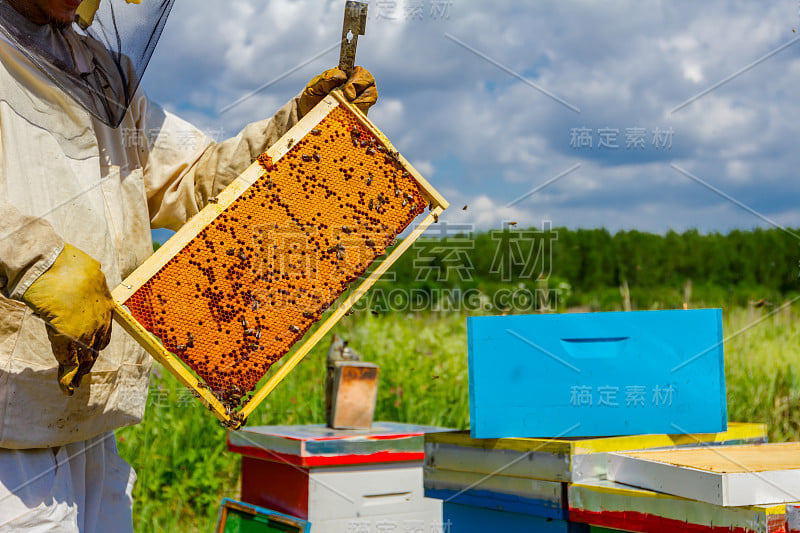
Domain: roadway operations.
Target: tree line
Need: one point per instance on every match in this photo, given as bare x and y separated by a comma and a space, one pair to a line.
739, 265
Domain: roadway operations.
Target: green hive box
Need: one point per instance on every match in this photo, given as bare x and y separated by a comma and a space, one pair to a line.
239, 517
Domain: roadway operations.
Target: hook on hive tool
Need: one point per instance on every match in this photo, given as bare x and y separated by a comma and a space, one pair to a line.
355, 24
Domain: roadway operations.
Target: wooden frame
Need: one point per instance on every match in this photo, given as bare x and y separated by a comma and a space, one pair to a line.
193, 227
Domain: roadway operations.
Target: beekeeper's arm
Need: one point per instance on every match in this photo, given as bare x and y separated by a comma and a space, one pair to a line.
179, 182
62, 285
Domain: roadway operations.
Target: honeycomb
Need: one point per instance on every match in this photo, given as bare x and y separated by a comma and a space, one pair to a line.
236, 298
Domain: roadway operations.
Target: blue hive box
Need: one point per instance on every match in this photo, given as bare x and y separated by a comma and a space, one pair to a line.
596, 374
460, 518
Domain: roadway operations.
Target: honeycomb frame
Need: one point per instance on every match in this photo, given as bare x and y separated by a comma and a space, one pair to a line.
301, 137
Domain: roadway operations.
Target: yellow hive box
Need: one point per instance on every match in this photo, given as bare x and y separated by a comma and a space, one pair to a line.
241, 283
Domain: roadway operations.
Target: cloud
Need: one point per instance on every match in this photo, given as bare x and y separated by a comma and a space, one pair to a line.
484, 137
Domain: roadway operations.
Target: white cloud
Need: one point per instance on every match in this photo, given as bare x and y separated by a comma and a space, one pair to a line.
425, 168
487, 138
693, 72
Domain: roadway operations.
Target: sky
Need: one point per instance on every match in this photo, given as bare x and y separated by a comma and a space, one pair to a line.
624, 115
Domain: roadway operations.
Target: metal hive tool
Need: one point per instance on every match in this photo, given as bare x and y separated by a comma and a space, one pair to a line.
241, 283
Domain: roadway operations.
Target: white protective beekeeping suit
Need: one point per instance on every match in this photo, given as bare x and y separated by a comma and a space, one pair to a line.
65, 176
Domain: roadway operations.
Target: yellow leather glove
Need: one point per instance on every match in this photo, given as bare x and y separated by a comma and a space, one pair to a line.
85, 13
359, 89
73, 298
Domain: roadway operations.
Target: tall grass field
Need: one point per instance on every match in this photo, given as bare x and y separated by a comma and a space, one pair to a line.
184, 469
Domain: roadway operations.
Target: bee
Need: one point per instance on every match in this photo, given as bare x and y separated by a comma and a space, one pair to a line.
396, 193
258, 333
252, 346
293, 328
190, 344
333, 248
316, 156
339, 255
347, 230
369, 242
370, 151
316, 131
364, 143
355, 133
405, 202
254, 305
464, 208
289, 143
265, 161
230, 251
243, 321
436, 218
181, 347
308, 314
249, 332
375, 312
405, 173
212, 200
371, 203
512, 223
350, 312
242, 256
307, 157
370, 178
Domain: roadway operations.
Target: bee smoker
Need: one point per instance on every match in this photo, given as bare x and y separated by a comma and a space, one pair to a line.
351, 388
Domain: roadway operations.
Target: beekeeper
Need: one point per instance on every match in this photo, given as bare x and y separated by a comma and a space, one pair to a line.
88, 165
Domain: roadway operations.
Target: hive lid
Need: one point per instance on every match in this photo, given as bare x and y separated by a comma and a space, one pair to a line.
318, 445
760, 474
737, 432
239, 285
566, 459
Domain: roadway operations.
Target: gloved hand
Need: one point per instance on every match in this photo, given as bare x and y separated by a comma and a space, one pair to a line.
359, 89
73, 298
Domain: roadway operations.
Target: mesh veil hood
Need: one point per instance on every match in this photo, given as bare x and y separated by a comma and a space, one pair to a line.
99, 67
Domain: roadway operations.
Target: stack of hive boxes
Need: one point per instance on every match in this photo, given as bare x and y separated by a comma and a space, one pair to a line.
554, 399
339, 481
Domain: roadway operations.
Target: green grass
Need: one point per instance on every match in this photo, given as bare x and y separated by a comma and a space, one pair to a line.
184, 469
